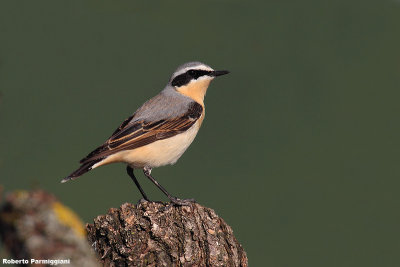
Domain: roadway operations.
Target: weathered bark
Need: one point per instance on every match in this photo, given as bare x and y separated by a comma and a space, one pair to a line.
158, 234
34, 225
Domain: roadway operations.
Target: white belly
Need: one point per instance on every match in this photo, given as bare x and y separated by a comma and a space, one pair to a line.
159, 153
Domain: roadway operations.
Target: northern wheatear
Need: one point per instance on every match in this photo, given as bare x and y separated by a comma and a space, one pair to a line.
160, 131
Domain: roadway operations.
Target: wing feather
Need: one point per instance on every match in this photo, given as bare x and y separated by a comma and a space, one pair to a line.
133, 134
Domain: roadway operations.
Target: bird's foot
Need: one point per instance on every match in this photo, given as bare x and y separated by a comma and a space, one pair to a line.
182, 202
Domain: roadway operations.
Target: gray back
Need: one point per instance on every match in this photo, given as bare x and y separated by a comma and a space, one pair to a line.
167, 104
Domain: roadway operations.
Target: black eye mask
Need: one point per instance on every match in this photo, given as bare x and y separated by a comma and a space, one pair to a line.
186, 77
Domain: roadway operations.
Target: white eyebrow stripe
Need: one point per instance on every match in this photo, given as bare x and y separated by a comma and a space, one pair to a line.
199, 67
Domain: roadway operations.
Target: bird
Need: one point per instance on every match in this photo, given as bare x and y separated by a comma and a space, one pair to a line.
160, 131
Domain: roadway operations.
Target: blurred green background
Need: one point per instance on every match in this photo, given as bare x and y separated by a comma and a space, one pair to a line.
300, 146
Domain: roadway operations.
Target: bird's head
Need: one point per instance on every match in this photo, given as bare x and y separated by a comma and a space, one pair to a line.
192, 79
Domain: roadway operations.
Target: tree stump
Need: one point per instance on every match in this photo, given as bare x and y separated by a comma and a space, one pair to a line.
161, 234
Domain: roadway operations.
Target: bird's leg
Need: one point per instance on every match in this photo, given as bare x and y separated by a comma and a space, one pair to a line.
176, 201
129, 170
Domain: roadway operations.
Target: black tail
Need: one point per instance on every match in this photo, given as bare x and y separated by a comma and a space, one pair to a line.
82, 169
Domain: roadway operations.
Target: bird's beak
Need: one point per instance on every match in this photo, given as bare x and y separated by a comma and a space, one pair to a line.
219, 72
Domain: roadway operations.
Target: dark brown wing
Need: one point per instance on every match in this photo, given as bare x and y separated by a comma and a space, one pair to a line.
123, 124
135, 134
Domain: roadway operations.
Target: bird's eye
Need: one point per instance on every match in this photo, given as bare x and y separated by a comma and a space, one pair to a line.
192, 72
